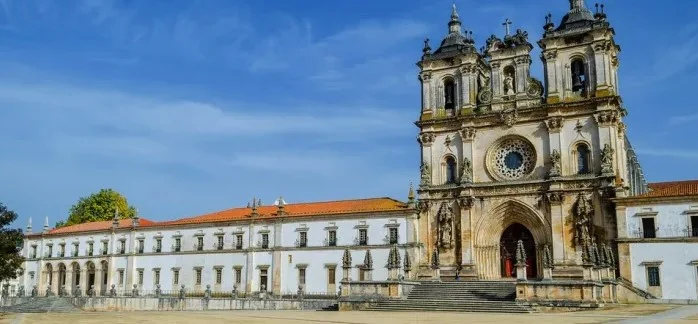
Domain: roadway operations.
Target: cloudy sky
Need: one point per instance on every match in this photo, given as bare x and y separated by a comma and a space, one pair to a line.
191, 106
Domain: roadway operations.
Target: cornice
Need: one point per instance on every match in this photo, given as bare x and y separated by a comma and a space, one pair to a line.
636, 201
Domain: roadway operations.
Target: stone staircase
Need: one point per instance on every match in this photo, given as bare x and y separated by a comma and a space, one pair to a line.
43, 305
458, 296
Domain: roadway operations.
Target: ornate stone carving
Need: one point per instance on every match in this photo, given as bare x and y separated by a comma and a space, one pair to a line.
466, 171
550, 55
520, 254
368, 260
508, 190
485, 96
554, 164
445, 228
509, 116
511, 159
426, 175
346, 259
465, 202
467, 133
534, 88
556, 197
508, 85
407, 264
610, 257
522, 60
426, 76
519, 39
394, 258
607, 118
547, 258
583, 215
554, 124
607, 159
469, 68
621, 129
423, 206
485, 89
435, 258
426, 138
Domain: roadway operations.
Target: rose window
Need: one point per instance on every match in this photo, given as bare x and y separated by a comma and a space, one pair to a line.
513, 159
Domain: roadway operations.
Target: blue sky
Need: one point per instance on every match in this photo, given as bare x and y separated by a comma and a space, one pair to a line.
194, 106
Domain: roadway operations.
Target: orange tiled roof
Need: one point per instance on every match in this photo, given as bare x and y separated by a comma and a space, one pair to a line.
336, 207
97, 226
671, 189
301, 209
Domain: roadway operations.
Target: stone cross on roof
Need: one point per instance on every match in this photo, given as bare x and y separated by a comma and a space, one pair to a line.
507, 26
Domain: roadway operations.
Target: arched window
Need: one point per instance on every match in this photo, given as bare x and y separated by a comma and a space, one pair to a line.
579, 75
451, 170
449, 94
583, 158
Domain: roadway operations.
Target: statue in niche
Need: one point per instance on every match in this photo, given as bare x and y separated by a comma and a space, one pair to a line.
466, 171
607, 159
554, 164
583, 213
426, 174
445, 219
509, 84
485, 89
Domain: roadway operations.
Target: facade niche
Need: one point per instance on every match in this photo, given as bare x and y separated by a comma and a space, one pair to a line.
509, 81
583, 158
449, 94
451, 169
579, 76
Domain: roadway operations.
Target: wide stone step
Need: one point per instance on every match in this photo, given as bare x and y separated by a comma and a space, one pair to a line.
43, 305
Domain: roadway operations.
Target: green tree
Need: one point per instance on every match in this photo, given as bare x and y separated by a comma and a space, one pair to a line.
99, 206
11, 241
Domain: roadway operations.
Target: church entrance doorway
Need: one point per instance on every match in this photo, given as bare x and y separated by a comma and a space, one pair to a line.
507, 246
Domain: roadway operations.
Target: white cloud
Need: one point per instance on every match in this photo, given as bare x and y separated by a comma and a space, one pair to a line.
673, 153
678, 120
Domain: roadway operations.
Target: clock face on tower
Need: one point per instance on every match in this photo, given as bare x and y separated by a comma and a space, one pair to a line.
511, 158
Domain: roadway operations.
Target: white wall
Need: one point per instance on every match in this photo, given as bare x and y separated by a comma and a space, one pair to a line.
678, 275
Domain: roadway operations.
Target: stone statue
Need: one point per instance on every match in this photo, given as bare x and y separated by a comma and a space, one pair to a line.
426, 174
34, 291
554, 164
607, 159
20, 291
509, 85
78, 291
134, 291
207, 292
48, 291
112, 291
158, 291
445, 229
582, 224
181, 293
6, 290
483, 82
234, 293
91, 291
466, 171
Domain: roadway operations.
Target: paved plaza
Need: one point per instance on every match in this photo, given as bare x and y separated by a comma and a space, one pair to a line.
623, 314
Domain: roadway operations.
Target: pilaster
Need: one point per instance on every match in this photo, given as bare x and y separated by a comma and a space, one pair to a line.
552, 80
557, 220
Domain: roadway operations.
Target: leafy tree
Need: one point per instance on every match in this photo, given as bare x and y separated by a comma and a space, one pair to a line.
99, 206
11, 241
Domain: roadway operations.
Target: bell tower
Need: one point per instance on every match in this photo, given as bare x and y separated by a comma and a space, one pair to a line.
580, 55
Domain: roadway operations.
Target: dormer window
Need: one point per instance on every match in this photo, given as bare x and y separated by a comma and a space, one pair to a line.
449, 94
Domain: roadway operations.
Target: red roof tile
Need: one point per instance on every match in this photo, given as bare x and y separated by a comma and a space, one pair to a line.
97, 226
671, 189
301, 209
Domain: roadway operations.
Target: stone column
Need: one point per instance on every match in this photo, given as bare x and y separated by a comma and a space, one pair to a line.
83, 281
99, 276
520, 261
601, 66
368, 266
69, 281
552, 81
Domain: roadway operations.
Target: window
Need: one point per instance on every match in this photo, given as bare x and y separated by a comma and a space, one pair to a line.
303, 239
653, 276
393, 235
158, 245
156, 276
175, 277
219, 276
220, 242
238, 241
363, 236
76, 249
90, 248
449, 94
648, 227
178, 245
451, 172
579, 77
122, 247
200, 243
61, 252
332, 238
265, 241
238, 276
583, 159
263, 280
694, 226
140, 277
33, 256
331, 276
301, 276
105, 248
197, 275
141, 246
50, 251
121, 277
